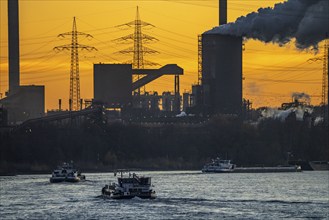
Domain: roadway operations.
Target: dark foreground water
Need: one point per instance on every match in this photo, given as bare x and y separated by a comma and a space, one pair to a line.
181, 195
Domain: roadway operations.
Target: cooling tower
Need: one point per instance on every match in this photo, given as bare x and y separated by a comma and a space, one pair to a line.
222, 73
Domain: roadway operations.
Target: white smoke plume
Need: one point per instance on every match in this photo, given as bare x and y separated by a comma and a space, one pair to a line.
283, 114
307, 21
318, 121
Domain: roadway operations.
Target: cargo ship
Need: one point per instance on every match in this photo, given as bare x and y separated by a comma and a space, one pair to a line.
219, 165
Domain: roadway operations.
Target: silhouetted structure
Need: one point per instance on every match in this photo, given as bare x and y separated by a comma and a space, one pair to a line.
220, 61
138, 50
113, 84
22, 102
222, 12
13, 46
74, 47
222, 73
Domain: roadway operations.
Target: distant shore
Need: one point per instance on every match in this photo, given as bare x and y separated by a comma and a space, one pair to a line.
87, 171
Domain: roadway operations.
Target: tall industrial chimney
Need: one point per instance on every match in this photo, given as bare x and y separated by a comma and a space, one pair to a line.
13, 50
222, 12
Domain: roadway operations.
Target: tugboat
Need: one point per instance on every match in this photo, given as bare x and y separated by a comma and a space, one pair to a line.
66, 173
218, 166
129, 187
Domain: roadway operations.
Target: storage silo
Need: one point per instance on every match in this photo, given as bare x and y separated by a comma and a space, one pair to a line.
222, 73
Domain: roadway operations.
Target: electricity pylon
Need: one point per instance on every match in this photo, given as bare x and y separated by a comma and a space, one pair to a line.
325, 81
138, 50
74, 102
199, 59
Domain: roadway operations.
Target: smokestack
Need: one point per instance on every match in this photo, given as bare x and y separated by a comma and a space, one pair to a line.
222, 12
13, 47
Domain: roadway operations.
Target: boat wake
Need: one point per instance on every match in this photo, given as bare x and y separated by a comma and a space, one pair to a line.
215, 201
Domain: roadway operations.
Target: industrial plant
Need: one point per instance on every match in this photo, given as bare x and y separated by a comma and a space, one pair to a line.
126, 124
22, 102
118, 86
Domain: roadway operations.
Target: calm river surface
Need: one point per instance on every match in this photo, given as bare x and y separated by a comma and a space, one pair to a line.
181, 195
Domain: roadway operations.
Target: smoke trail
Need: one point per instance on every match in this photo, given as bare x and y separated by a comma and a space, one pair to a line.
318, 120
305, 20
301, 95
283, 114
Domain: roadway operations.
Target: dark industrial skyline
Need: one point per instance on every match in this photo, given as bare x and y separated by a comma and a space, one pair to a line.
271, 74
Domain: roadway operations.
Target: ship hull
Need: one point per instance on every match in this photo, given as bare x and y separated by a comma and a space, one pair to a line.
217, 171
66, 179
319, 165
57, 180
120, 195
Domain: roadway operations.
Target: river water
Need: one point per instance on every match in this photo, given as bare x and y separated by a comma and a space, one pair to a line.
181, 195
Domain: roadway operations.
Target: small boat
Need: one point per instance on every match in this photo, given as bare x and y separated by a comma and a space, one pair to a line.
218, 166
130, 187
66, 173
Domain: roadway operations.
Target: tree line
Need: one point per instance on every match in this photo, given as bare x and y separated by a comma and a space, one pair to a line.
95, 147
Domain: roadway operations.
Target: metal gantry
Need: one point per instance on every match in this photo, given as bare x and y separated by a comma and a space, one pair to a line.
74, 101
199, 59
325, 82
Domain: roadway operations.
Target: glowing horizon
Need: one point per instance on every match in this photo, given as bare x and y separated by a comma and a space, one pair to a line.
271, 73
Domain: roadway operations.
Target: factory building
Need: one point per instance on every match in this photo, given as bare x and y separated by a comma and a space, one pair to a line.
113, 84
27, 103
147, 101
113, 87
186, 101
219, 91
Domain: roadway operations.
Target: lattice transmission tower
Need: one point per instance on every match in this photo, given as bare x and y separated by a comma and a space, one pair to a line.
325, 82
199, 59
138, 50
74, 101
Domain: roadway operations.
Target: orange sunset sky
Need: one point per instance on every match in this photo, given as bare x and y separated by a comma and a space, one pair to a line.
271, 73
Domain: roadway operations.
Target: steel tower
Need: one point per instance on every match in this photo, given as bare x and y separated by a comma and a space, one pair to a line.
74, 47
325, 83
199, 59
138, 50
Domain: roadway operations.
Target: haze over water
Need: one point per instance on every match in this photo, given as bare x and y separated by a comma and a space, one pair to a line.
181, 195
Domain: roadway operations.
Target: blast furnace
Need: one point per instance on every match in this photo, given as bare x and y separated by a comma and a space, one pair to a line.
222, 73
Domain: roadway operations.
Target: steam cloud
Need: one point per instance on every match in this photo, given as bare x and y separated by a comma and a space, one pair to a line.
305, 20
283, 114
301, 95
